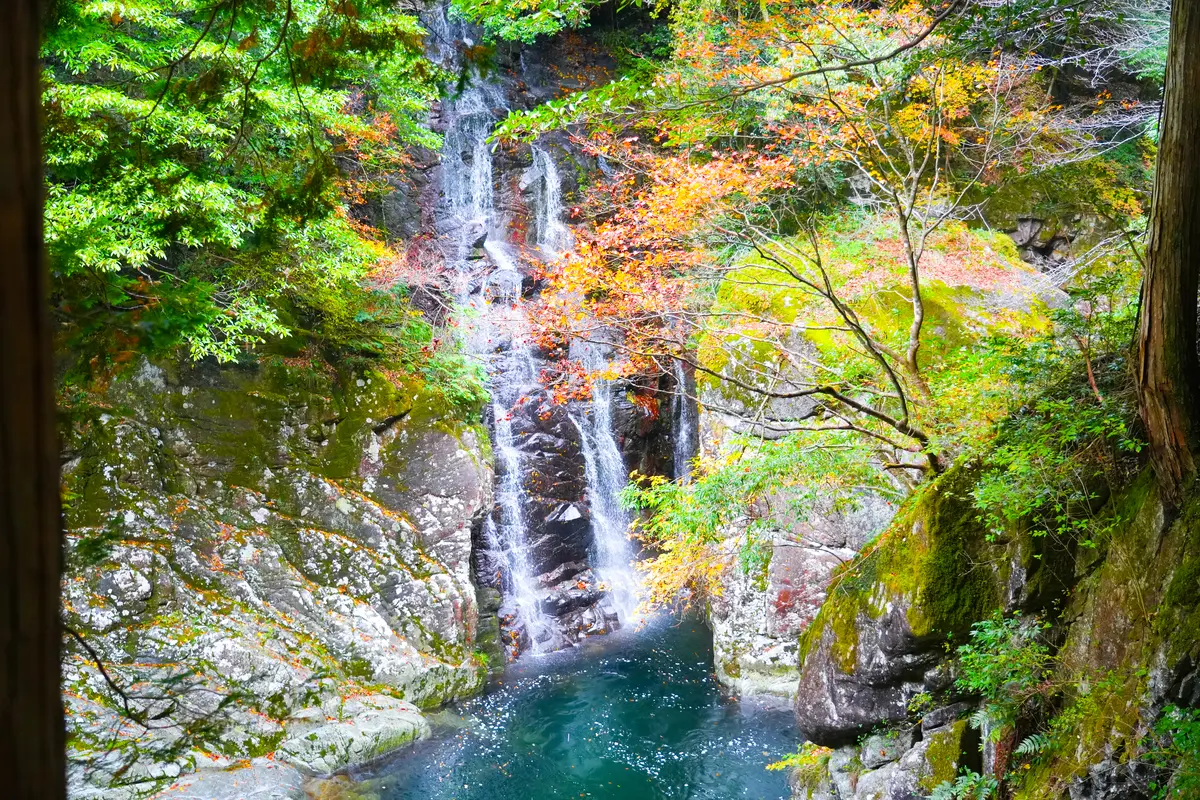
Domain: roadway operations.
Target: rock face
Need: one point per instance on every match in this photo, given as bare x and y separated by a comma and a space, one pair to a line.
553, 483
876, 683
645, 437
757, 622
264, 541
758, 619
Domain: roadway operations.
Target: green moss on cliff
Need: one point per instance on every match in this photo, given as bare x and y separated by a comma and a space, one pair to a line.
931, 561
943, 754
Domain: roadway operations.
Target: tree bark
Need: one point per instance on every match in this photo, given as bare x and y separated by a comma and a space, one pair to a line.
32, 747
1168, 370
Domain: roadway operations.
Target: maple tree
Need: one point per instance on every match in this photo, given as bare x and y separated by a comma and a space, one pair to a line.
917, 136
744, 170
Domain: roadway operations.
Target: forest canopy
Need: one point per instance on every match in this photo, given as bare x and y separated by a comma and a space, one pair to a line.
204, 162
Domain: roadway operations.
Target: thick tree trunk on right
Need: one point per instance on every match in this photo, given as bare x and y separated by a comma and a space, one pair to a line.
1168, 370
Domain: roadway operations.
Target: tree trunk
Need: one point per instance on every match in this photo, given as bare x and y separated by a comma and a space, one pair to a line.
1168, 370
32, 749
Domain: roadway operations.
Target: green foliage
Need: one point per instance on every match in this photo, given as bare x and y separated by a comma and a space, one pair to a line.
747, 486
1034, 744
1036, 472
195, 149
1056, 459
426, 352
1175, 746
920, 702
1005, 663
809, 764
525, 20
969, 785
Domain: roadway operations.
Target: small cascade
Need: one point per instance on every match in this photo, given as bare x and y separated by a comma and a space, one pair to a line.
685, 418
507, 535
553, 236
607, 476
502, 284
563, 574
467, 172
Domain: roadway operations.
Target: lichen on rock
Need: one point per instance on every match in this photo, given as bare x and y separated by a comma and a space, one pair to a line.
260, 540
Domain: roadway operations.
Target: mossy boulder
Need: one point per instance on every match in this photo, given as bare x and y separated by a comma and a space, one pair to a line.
896, 764
1125, 613
879, 634
264, 538
323, 740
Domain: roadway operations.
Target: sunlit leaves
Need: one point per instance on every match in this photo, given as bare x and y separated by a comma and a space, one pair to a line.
525, 20
190, 147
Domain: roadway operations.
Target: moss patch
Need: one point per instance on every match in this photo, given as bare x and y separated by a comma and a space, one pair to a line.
943, 754
931, 561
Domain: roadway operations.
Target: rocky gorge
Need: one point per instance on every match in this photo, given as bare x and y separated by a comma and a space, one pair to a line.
278, 565
288, 577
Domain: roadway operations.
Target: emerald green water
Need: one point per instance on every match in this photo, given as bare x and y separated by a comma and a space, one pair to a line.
632, 716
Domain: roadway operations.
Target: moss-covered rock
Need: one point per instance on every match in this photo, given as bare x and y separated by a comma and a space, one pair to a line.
880, 630
1132, 641
262, 539
1125, 617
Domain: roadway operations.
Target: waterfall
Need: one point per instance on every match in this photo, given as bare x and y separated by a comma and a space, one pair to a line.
686, 421
558, 585
607, 476
553, 236
496, 333
507, 536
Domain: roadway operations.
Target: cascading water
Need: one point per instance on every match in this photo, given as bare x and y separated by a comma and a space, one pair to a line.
495, 327
553, 236
637, 714
555, 588
607, 476
507, 534
686, 424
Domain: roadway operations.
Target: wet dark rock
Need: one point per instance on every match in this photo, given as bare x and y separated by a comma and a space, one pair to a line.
553, 543
643, 436
945, 715
884, 748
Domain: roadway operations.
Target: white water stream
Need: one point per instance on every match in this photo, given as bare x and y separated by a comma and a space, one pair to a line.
496, 327
686, 423
613, 556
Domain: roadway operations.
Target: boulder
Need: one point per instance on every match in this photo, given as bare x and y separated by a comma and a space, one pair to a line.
261, 779
340, 734
876, 641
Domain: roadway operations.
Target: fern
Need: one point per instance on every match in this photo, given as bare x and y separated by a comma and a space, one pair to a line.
1034, 744
980, 719
968, 786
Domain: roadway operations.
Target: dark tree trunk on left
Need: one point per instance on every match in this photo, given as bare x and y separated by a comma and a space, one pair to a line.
32, 749
1168, 370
